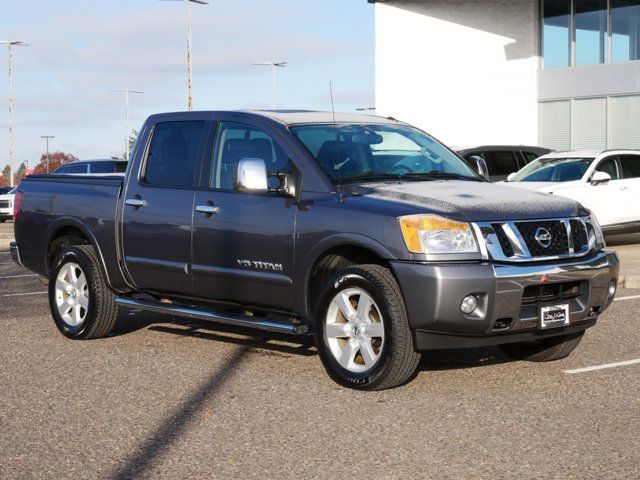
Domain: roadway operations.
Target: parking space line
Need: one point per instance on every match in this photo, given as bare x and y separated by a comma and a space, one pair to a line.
631, 297
19, 276
603, 367
7, 263
22, 294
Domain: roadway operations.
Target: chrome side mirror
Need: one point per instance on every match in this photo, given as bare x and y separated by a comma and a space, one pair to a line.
600, 177
251, 176
480, 166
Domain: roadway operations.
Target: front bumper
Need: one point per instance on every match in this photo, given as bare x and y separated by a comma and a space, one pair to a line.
433, 294
15, 253
6, 215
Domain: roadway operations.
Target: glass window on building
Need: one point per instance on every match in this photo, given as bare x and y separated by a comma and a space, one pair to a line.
556, 35
591, 31
625, 30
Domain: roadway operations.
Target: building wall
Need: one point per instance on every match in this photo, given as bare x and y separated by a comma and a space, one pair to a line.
464, 70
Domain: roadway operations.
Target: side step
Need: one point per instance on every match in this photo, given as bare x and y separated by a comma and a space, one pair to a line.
227, 319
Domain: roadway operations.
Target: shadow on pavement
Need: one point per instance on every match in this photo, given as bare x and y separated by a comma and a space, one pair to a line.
438, 360
177, 423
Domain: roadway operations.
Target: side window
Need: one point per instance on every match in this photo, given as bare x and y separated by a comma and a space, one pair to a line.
502, 163
120, 167
631, 164
236, 141
78, 168
102, 167
610, 165
62, 170
173, 153
530, 156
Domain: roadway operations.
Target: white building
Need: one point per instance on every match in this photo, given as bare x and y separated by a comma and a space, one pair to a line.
563, 74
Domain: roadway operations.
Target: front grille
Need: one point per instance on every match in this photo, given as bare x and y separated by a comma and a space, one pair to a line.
578, 235
559, 242
552, 292
505, 244
4, 203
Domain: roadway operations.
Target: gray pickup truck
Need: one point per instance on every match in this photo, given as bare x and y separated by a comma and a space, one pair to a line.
361, 230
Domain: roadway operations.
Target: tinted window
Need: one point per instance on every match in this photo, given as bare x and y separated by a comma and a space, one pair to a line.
502, 163
102, 167
236, 141
173, 153
62, 171
611, 166
631, 165
120, 167
530, 156
4, 190
79, 168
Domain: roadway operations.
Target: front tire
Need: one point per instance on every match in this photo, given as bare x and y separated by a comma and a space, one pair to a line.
362, 332
545, 350
82, 305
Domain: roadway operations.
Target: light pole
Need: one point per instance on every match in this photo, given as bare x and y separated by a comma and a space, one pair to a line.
10, 44
47, 138
274, 66
126, 92
189, 63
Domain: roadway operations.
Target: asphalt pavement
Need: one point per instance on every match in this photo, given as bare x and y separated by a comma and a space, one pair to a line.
169, 398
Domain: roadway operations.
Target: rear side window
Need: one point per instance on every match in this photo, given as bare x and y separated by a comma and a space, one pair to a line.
102, 167
81, 168
502, 163
62, 170
174, 152
631, 164
120, 167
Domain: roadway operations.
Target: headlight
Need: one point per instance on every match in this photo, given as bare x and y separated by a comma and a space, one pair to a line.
435, 234
600, 242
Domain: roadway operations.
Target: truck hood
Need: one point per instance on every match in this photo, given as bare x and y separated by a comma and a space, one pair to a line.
472, 201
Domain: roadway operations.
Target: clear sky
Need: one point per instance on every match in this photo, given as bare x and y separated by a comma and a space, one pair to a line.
80, 49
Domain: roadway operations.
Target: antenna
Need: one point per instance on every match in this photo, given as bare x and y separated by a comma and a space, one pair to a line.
335, 127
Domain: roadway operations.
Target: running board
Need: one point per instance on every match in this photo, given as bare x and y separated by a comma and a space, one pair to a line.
227, 319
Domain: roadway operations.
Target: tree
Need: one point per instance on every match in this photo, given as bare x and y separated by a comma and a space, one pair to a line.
4, 180
55, 160
19, 174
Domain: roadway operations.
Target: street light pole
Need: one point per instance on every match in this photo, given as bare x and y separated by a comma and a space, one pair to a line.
10, 44
189, 52
126, 92
274, 88
47, 137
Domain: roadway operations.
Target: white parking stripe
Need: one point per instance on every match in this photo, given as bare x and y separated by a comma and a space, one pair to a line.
7, 263
5, 253
632, 297
19, 276
22, 294
602, 367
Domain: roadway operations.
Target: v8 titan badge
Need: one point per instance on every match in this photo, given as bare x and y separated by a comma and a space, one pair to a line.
554, 316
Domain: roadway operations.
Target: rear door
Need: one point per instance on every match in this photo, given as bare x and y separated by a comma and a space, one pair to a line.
243, 252
631, 187
158, 208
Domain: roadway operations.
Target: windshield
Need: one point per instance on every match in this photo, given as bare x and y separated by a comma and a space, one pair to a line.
376, 152
553, 170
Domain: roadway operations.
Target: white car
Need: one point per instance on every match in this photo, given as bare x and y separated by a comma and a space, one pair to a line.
607, 182
6, 206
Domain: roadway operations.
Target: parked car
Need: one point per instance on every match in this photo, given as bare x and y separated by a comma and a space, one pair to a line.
5, 190
362, 230
607, 182
93, 167
6, 204
502, 160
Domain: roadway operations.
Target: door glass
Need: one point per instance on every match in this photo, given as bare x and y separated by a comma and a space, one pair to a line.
631, 166
611, 166
530, 156
82, 168
556, 33
102, 167
237, 141
591, 31
502, 163
625, 30
173, 154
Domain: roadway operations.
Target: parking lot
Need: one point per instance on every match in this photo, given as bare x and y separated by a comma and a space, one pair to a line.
171, 398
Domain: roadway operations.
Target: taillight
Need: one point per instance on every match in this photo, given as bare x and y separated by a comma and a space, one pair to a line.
17, 201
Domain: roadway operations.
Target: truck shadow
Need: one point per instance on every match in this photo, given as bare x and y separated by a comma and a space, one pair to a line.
442, 360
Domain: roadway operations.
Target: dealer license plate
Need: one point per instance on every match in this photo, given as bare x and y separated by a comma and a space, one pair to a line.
554, 316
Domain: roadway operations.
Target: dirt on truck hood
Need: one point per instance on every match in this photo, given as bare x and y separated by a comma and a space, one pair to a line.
472, 201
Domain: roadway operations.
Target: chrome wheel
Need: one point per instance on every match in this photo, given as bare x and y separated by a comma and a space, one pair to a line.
354, 330
72, 294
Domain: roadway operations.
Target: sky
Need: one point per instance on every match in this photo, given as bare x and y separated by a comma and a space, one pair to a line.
81, 49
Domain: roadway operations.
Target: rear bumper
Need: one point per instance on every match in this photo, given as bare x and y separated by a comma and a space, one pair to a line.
15, 253
433, 294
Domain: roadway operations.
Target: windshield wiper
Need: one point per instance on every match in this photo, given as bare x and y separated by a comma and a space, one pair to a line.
375, 176
446, 175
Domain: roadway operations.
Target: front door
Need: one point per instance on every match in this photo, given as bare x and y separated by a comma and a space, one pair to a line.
158, 208
243, 244
606, 200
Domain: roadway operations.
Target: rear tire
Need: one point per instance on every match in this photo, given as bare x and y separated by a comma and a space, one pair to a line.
2, 220
82, 305
371, 346
545, 350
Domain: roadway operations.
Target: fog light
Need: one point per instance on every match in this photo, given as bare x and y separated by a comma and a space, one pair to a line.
469, 304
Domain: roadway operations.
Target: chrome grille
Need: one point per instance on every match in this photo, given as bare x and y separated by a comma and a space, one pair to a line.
559, 243
4, 204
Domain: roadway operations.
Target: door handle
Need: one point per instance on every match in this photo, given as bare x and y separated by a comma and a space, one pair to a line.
135, 202
208, 210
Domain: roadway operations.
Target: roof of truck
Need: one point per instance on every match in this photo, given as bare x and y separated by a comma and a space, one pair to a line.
292, 117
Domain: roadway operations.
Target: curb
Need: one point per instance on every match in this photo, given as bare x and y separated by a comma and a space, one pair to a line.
629, 281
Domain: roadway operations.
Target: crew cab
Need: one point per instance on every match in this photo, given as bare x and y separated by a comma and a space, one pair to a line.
363, 231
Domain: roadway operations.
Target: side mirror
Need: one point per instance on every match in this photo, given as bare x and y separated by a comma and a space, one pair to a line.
511, 177
480, 166
251, 176
600, 177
